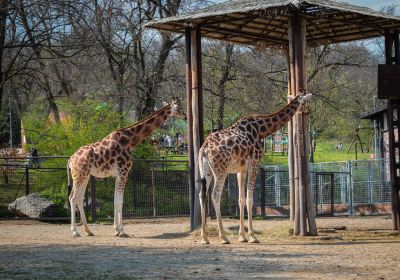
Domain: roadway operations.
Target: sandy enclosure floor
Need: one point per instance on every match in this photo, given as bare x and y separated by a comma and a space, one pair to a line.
165, 249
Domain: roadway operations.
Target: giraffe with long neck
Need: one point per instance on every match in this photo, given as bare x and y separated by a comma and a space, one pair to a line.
238, 149
111, 157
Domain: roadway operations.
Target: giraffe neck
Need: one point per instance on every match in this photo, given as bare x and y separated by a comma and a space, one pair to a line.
135, 134
265, 125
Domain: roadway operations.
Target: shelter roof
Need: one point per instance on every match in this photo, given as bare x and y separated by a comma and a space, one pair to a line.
377, 113
265, 22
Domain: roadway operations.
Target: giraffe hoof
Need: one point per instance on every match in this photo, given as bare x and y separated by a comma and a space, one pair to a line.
253, 240
242, 239
89, 233
123, 235
205, 242
76, 234
225, 241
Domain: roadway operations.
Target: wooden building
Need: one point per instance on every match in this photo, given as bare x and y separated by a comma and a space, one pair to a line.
289, 25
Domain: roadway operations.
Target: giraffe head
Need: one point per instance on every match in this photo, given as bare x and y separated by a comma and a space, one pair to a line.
177, 109
301, 100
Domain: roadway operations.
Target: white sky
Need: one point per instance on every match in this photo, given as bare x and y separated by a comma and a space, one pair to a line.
373, 4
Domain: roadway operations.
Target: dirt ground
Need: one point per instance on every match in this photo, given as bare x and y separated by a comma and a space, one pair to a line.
165, 249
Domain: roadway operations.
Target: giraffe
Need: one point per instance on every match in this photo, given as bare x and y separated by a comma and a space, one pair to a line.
238, 149
111, 156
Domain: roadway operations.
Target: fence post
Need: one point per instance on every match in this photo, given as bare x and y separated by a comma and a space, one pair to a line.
26, 179
153, 186
277, 186
93, 197
262, 191
342, 185
350, 190
370, 198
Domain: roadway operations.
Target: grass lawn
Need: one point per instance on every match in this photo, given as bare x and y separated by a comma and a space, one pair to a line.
325, 152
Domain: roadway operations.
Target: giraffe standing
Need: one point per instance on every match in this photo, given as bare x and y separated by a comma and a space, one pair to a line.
238, 149
111, 156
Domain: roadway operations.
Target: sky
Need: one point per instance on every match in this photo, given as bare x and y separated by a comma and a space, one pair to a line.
373, 4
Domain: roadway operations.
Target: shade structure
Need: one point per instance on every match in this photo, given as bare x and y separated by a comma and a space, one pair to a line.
255, 22
292, 25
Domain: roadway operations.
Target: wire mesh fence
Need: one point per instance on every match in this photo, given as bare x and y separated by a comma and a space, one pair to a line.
347, 188
161, 188
155, 188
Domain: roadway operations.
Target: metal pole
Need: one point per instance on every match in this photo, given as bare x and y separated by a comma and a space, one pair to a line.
370, 192
93, 197
262, 191
332, 194
277, 186
351, 202
11, 131
26, 179
153, 186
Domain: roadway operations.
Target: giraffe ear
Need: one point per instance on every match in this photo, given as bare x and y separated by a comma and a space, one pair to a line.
165, 103
290, 98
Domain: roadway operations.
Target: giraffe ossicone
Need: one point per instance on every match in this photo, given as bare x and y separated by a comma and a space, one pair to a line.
238, 149
111, 157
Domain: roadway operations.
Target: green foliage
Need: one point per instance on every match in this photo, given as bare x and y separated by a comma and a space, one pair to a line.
57, 194
144, 151
84, 123
87, 123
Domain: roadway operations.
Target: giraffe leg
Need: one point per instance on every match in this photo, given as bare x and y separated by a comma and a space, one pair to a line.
203, 195
75, 198
80, 207
241, 177
118, 201
73, 203
249, 202
216, 198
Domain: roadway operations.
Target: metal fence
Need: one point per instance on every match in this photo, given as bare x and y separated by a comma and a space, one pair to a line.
160, 188
155, 188
338, 188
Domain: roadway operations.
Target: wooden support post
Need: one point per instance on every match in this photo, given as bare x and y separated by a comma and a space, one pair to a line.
197, 115
392, 40
188, 70
291, 91
294, 197
312, 225
304, 210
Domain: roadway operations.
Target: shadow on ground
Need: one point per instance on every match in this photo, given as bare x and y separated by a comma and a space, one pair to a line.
116, 262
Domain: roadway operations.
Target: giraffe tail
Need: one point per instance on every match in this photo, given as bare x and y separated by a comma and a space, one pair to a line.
202, 155
68, 177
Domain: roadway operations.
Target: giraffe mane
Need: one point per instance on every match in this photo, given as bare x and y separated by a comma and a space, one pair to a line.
145, 119
271, 114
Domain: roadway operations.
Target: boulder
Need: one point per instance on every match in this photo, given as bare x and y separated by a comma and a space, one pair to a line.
33, 206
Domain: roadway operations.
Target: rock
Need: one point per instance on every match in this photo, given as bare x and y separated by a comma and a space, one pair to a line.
33, 206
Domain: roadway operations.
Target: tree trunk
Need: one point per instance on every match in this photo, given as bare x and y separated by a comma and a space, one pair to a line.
3, 22
152, 83
225, 76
